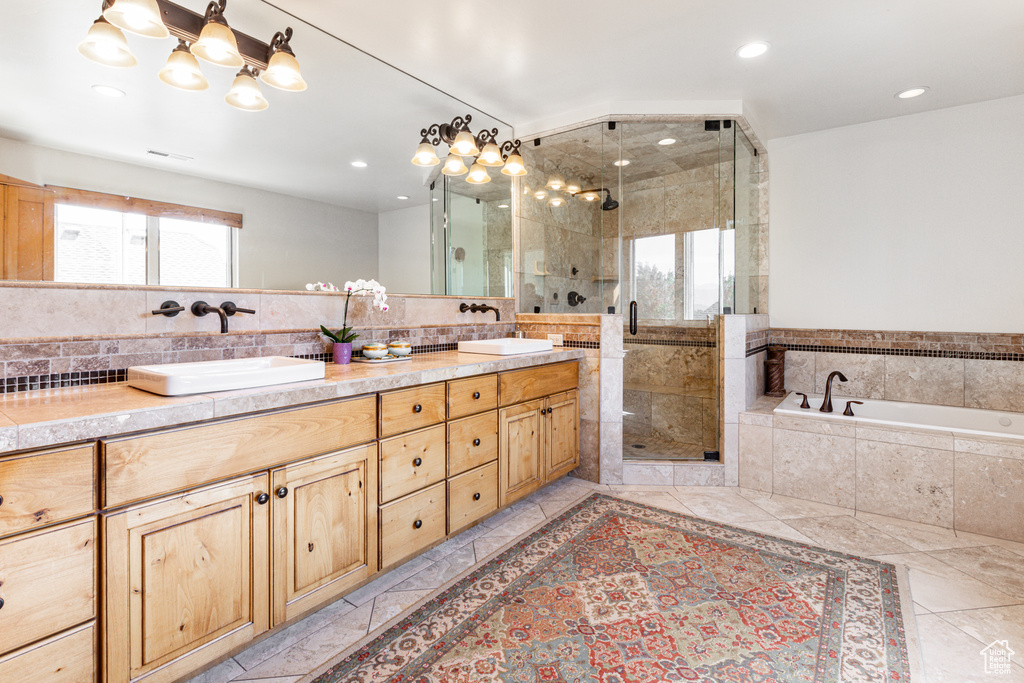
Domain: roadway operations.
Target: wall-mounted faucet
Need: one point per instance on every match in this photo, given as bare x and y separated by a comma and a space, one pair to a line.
826, 405
228, 308
476, 308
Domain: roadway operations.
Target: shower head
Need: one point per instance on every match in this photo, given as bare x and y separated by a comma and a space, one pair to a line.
609, 203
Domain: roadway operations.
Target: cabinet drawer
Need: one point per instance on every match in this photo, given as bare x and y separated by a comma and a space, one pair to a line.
530, 383
148, 466
472, 495
66, 658
472, 441
400, 536
409, 409
411, 461
42, 488
47, 582
472, 395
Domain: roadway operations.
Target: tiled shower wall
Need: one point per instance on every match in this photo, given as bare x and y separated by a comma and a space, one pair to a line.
57, 335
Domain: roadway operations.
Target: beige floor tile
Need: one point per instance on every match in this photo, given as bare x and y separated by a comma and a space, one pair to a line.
665, 501
394, 577
251, 657
1012, 546
848, 535
775, 527
516, 525
717, 506
275, 679
942, 588
919, 608
442, 571
453, 544
389, 605
995, 566
225, 671
918, 536
952, 656
996, 623
317, 648
784, 507
485, 547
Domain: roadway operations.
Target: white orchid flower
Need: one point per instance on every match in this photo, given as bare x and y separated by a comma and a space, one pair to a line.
350, 286
310, 287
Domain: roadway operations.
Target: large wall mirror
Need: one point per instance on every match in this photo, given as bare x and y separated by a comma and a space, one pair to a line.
307, 212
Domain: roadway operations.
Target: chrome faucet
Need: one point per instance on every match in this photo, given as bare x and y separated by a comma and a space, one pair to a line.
826, 405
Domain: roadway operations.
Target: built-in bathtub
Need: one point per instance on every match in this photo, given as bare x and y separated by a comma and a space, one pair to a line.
960, 468
912, 415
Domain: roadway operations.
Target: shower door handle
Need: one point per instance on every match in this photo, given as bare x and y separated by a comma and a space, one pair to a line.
632, 318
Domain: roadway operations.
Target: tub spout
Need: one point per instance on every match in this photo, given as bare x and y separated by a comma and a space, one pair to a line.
826, 405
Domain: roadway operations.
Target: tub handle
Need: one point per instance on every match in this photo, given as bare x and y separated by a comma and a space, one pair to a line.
849, 409
805, 405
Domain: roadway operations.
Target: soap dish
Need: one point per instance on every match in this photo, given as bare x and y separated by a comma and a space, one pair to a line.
386, 359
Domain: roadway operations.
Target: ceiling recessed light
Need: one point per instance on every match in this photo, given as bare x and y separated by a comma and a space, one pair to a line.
359, 164
667, 141
621, 162
502, 206
751, 50
402, 196
107, 91
912, 92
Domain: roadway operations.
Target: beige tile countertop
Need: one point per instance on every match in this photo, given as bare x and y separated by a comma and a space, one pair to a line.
37, 419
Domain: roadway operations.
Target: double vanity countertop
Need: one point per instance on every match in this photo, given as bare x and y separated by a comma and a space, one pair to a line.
47, 417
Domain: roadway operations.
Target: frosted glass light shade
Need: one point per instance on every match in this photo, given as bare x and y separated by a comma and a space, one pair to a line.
590, 196
555, 183
465, 145
478, 175
490, 156
454, 166
425, 155
182, 71
245, 93
141, 17
514, 166
283, 72
105, 44
217, 45
556, 201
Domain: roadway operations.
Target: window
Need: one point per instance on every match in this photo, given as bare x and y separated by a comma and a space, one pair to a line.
701, 289
118, 240
654, 276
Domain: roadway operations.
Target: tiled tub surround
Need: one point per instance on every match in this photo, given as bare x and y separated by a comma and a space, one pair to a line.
943, 368
42, 346
942, 476
37, 419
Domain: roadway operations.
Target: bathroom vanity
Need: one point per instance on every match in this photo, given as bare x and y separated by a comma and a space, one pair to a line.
147, 554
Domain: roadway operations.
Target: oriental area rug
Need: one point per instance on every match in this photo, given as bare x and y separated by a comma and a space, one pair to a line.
613, 591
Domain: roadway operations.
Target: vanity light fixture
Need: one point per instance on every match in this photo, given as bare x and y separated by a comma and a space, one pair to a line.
245, 92
462, 143
590, 196
555, 183
182, 70
556, 201
105, 44
754, 49
540, 195
141, 17
910, 93
502, 206
572, 187
206, 36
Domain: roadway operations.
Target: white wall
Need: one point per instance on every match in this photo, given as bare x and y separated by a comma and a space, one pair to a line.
403, 249
284, 243
912, 223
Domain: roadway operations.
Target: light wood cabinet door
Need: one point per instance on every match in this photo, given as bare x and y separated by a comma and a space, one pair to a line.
412, 524
47, 582
325, 529
27, 234
520, 451
472, 441
562, 435
472, 495
408, 409
37, 489
68, 657
411, 462
187, 580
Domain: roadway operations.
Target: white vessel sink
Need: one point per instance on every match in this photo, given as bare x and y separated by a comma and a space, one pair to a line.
177, 379
505, 347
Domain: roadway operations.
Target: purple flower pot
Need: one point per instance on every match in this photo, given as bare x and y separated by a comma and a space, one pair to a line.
343, 353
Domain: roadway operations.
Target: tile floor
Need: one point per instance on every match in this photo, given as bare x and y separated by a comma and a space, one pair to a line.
968, 590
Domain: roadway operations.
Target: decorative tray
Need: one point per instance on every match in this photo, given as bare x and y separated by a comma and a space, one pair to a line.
386, 359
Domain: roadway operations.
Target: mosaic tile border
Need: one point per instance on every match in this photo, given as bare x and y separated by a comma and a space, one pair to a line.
642, 341
758, 349
919, 353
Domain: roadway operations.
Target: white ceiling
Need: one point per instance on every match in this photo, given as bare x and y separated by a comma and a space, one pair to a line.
832, 62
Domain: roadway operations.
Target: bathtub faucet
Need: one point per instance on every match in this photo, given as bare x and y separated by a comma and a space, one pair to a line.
826, 405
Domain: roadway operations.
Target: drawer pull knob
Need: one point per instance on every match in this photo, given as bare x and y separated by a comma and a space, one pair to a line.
476, 442
1, 603
476, 395
417, 524
476, 496
282, 492
417, 408
263, 499
1, 500
310, 546
417, 462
